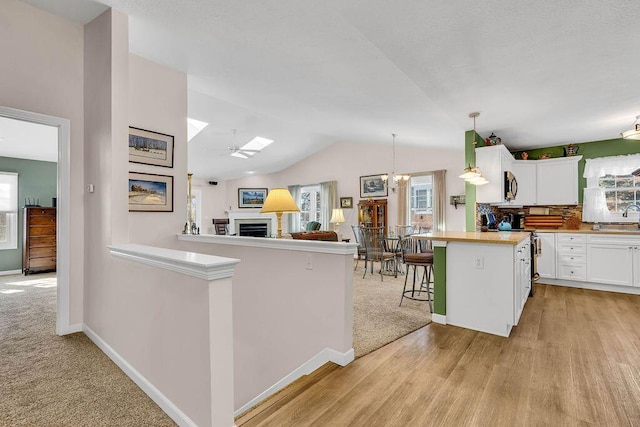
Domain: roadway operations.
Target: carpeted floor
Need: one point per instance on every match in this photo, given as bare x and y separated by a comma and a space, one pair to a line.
47, 380
377, 318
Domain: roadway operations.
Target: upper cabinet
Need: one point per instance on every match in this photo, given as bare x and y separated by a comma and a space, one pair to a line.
540, 182
557, 181
493, 161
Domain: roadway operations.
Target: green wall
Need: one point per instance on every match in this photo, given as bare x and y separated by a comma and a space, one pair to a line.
588, 150
36, 180
469, 189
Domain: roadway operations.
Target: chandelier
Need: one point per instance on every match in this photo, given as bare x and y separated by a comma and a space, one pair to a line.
472, 174
394, 180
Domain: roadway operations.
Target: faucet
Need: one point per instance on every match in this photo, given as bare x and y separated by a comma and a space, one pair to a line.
626, 212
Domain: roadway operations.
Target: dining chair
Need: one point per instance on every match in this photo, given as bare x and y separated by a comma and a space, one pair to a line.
373, 238
357, 233
404, 230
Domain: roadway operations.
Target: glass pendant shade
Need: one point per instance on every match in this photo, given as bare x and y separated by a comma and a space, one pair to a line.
633, 133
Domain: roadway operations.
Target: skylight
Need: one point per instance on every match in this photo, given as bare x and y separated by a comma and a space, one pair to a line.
257, 143
194, 127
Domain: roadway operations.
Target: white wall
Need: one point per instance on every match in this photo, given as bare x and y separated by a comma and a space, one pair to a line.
42, 71
346, 162
213, 202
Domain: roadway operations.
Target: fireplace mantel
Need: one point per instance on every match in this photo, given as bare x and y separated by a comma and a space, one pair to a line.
246, 215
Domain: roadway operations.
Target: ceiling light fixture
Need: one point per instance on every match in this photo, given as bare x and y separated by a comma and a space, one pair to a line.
472, 174
396, 180
633, 133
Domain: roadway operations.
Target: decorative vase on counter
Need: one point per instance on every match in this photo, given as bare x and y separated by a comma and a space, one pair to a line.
570, 150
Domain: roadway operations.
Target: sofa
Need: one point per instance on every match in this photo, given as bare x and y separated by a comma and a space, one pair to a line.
327, 236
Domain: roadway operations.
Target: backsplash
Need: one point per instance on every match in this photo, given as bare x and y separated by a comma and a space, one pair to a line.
565, 210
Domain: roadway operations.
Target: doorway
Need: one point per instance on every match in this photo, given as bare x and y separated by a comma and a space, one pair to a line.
63, 227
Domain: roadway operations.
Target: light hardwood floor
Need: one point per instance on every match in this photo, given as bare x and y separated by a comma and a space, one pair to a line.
573, 360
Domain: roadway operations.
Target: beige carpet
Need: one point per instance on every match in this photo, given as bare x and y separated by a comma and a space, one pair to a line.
377, 318
47, 380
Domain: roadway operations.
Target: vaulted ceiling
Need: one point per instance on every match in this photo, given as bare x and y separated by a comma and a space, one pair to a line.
312, 73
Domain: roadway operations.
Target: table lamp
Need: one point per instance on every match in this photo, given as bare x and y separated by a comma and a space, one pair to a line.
337, 218
279, 201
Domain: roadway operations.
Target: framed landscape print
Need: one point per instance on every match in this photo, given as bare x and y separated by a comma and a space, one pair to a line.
346, 202
251, 197
373, 186
150, 193
150, 148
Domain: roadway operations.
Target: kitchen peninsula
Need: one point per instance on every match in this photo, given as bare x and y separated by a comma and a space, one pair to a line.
481, 280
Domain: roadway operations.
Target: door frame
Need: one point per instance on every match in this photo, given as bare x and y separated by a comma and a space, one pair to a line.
63, 211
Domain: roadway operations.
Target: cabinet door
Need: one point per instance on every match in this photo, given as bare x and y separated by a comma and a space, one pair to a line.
636, 265
546, 262
610, 264
489, 161
525, 172
557, 182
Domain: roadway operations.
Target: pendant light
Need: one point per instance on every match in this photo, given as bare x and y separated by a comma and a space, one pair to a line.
634, 132
396, 180
472, 174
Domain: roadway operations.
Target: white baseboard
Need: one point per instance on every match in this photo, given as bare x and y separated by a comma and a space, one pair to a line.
439, 318
163, 402
326, 355
587, 285
10, 272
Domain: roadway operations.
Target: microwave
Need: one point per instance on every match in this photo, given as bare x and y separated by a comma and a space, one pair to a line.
510, 186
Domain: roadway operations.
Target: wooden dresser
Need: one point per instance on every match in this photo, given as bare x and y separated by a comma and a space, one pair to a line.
39, 240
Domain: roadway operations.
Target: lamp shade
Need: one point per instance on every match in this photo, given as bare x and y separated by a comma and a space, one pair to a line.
337, 216
279, 200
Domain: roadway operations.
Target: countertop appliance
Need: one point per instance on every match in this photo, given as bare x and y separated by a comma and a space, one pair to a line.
510, 186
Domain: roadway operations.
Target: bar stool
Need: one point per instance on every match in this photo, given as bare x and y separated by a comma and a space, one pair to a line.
416, 260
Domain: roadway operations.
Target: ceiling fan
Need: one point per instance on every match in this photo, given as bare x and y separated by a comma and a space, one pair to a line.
249, 149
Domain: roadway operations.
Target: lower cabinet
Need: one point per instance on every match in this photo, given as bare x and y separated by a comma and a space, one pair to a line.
546, 262
613, 260
522, 272
571, 251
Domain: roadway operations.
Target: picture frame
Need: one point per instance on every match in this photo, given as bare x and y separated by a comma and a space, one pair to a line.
150, 148
252, 197
346, 202
150, 193
373, 186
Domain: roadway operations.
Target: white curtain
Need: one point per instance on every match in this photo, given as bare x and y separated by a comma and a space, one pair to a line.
294, 218
594, 204
403, 198
328, 201
439, 200
612, 165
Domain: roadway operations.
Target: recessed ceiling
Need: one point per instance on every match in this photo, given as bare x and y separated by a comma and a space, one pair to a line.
308, 74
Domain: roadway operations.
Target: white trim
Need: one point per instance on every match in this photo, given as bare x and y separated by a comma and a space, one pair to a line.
63, 209
72, 329
10, 272
440, 319
161, 400
202, 266
586, 285
340, 248
439, 243
326, 355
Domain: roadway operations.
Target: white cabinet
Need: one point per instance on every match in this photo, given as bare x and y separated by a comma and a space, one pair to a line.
546, 262
557, 181
571, 252
613, 260
525, 173
493, 161
522, 279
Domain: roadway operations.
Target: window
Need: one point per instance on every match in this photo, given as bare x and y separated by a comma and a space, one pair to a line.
611, 188
421, 201
8, 210
620, 191
309, 205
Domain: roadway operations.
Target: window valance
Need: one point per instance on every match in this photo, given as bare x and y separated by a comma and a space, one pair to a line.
612, 165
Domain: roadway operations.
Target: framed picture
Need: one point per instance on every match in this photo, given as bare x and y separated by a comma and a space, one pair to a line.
346, 202
251, 197
150, 148
373, 186
150, 193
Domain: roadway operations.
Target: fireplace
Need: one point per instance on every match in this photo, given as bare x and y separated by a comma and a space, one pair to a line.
251, 217
253, 229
